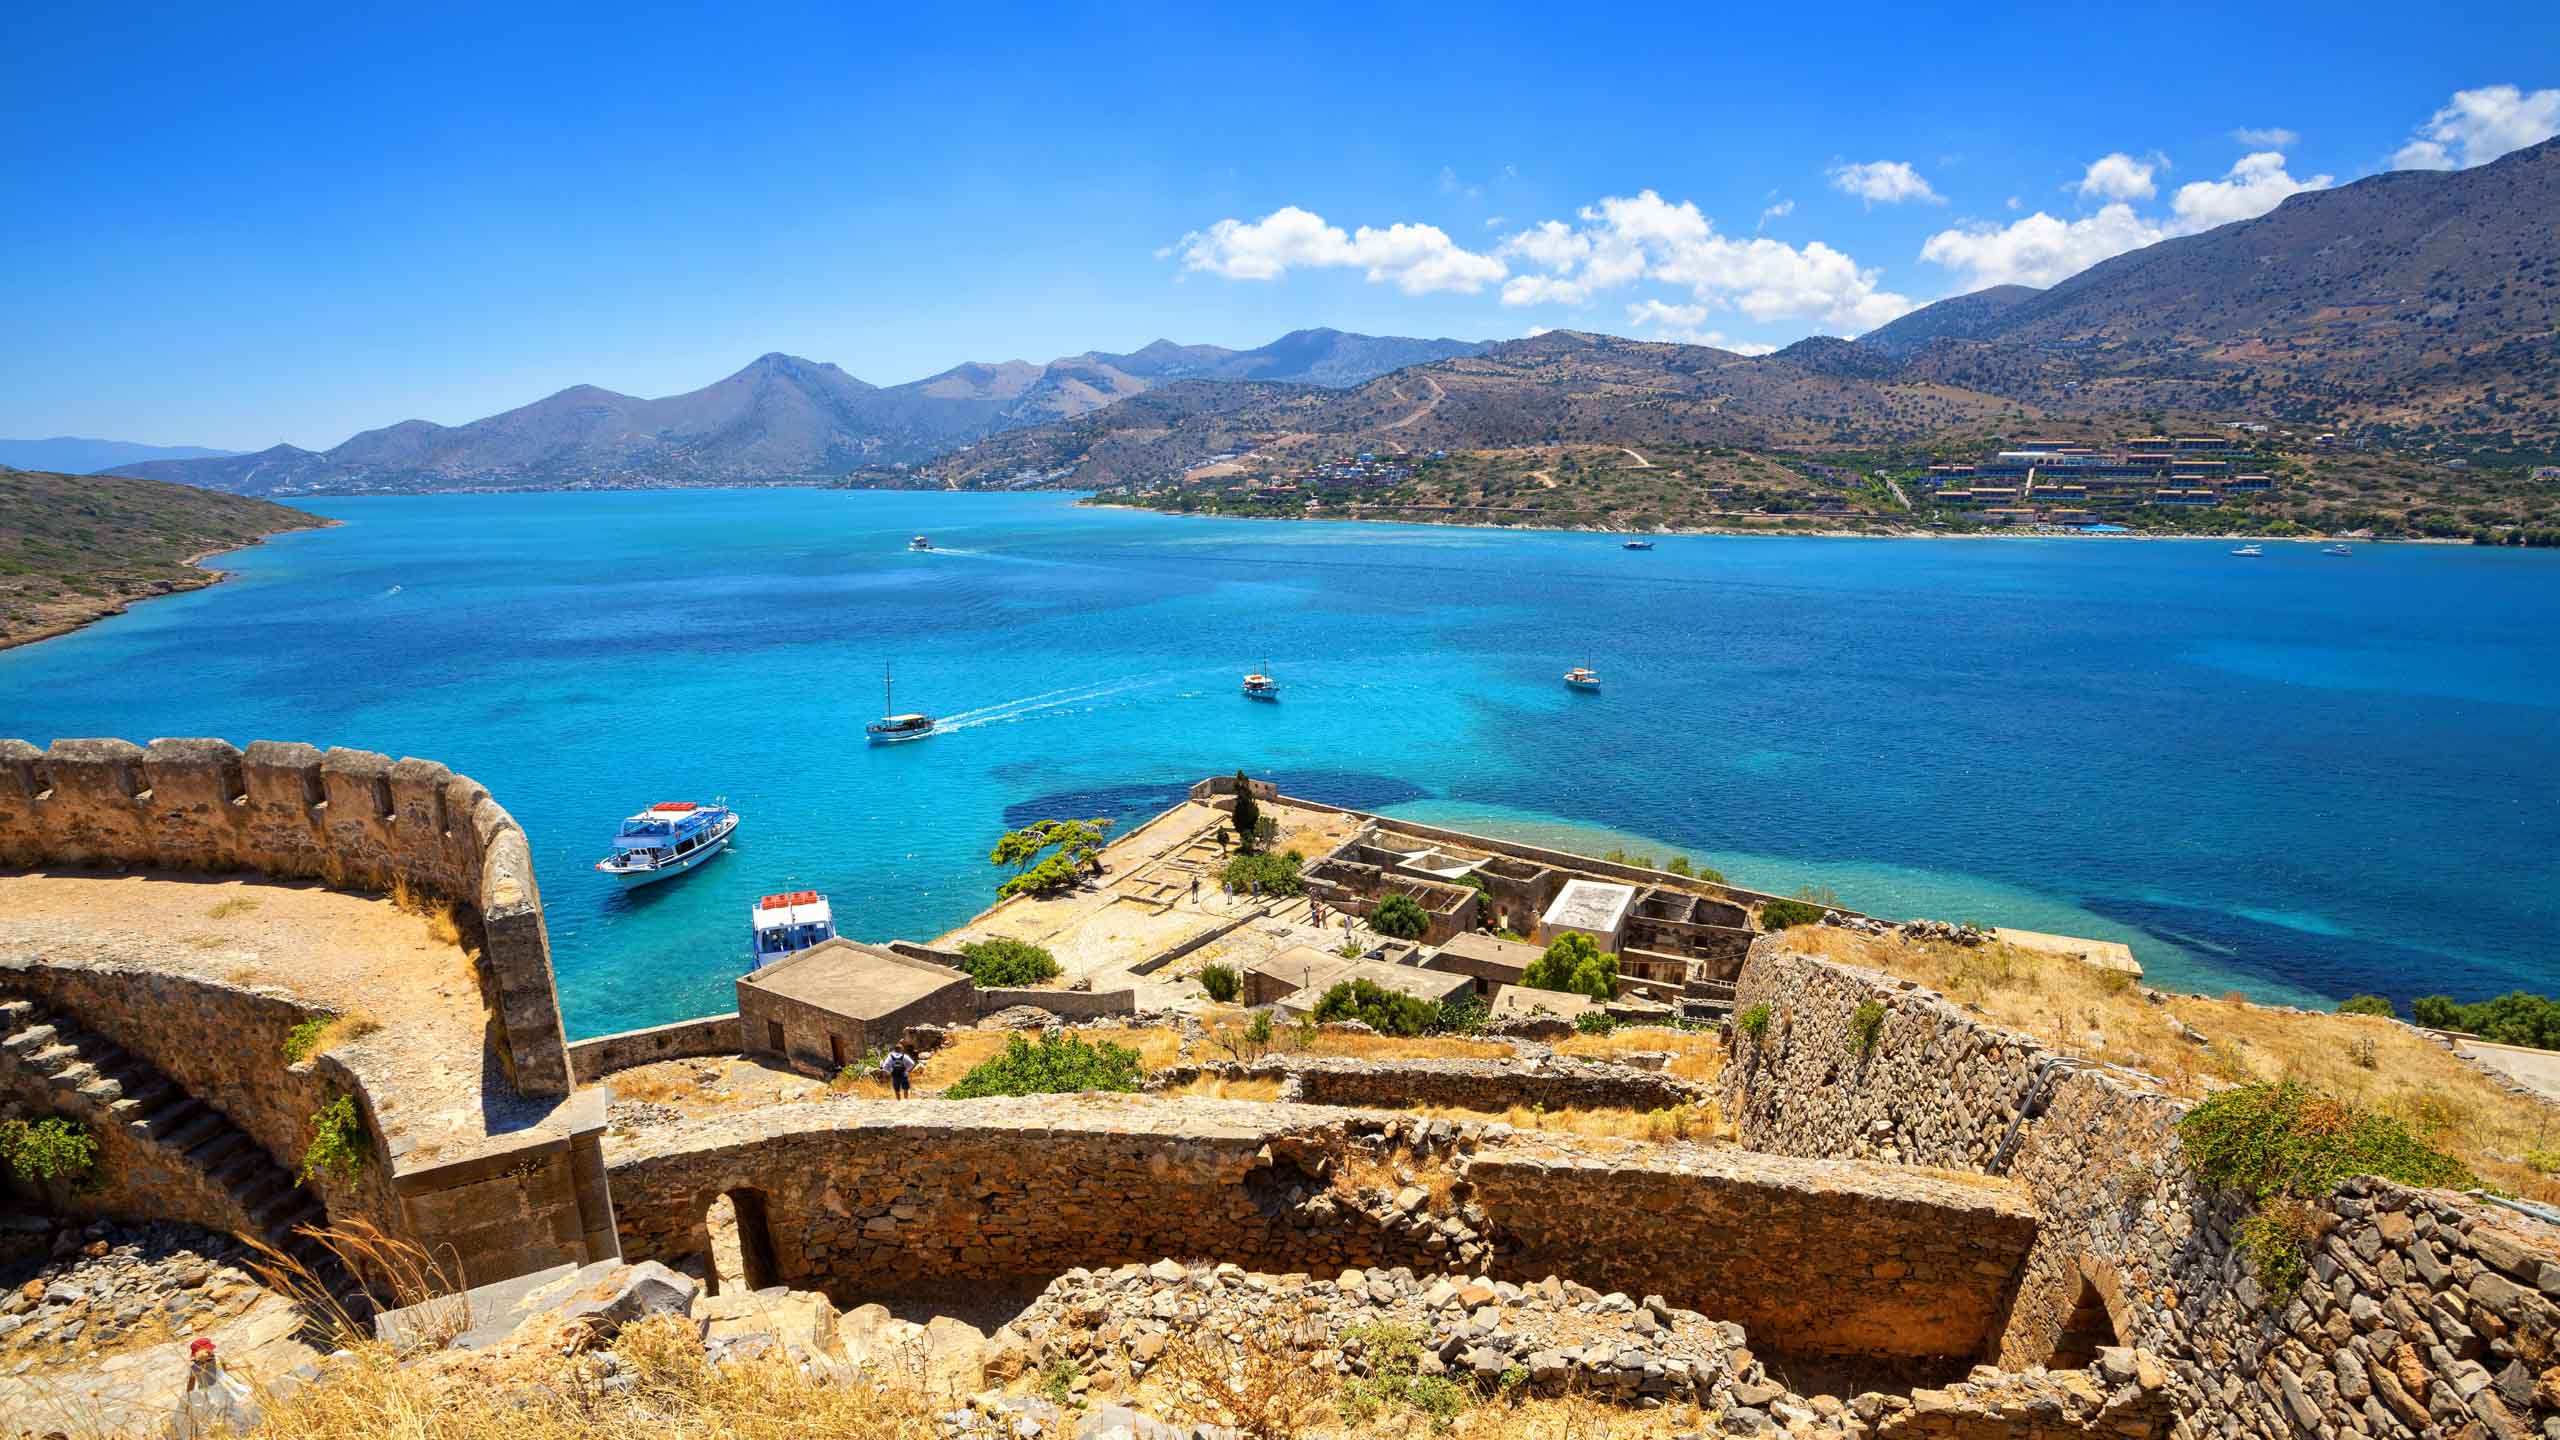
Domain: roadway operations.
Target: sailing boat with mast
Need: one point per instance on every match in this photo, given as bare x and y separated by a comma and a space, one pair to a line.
892, 727
1260, 686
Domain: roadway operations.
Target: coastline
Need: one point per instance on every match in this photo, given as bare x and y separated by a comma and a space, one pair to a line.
110, 606
1766, 533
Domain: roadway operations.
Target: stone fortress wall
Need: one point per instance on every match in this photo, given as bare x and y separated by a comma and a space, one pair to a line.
531, 1192
2427, 1312
1867, 1260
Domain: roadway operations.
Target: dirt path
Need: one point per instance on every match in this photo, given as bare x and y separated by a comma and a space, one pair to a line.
1437, 395
1641, 462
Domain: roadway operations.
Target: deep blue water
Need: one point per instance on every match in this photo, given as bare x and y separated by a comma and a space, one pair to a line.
2297, 776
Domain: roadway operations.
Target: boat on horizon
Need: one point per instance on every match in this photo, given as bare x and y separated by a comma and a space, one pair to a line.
785, 924
1582, 677
2251, 551
920, 543
891, 728
1637, 545
1260, 686
669, 838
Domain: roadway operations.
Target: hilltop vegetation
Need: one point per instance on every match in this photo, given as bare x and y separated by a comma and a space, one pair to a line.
74, 548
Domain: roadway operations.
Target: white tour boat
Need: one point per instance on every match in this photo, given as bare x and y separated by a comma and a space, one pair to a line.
789, 923
891, 728
1259, 686
669, 838
1582, 677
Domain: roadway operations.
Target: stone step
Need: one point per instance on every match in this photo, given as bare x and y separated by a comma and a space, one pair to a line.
226, 1141
26, 1042
16, 1015
180, 1117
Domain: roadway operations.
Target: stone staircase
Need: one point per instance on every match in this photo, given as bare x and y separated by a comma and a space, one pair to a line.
94, 1079
1706, 1002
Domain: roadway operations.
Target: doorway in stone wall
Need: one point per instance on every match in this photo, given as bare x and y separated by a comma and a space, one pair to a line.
2086, 1329
741, 1242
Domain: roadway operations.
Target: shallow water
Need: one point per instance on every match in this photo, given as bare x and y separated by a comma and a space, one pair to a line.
2299, 776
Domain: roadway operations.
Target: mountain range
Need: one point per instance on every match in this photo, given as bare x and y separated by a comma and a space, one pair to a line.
78, 454
782, 417
2417, 308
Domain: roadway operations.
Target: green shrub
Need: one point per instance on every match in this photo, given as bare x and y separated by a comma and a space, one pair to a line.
1576, 965
1394, 1381
999, 964
1753, 1023
1057, 1381
1272, 874
1595, 1022
2515, 1018
1787, 914
1248, 815
2285, 1145
1386, 1011
2367, 1005
1400, 916
2542, 1162
1055, 1064
2267, 1140
303, 1038
1466, 1015
1222, 982
51, 1148
339, 1145
1867, 1027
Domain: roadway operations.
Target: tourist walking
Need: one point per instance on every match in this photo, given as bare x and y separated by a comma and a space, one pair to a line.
900, 1065
215, 1403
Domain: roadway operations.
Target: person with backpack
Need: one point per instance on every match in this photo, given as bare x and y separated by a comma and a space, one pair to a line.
900, 1066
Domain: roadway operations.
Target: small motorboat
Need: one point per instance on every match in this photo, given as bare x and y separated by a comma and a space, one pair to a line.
1259, 686
1582, 677
2251, 552
920, 543
1637, 545
2339, 549
668, 838
891, 728
789, 923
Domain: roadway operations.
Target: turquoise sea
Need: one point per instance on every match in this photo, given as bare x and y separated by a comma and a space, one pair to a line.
2299, 776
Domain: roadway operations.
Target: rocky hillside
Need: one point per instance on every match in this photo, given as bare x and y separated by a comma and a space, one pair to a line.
74, 548
1562, 387
2421, 307
781, 418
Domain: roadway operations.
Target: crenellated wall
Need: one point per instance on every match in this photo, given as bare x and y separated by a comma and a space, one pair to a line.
2426, 1312
350, 817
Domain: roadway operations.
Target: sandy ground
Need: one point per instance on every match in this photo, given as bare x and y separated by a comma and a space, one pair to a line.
135, 1391
2539, 1069
350, 954
1144, 903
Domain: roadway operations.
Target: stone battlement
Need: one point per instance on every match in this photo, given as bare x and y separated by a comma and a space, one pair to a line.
350, 818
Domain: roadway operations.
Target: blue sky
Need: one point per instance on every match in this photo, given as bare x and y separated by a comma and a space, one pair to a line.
292, 224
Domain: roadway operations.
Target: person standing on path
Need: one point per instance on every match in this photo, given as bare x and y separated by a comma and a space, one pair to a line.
900, 1066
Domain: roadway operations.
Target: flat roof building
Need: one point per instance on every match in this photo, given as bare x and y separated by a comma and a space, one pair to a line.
831, 1004
1297, 978
1596, 908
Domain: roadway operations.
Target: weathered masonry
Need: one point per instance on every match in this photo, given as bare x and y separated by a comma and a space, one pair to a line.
2428, 1312
205, 1104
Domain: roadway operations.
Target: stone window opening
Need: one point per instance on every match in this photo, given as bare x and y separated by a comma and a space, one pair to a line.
741, 1236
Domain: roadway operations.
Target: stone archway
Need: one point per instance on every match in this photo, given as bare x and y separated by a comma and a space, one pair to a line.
2090, 1324
739, 1253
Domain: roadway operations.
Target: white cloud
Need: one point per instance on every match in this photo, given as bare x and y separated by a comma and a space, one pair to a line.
2118, 177
2480, 125
2271, 138
1417, 259
2040, 249
2257, 184
1883, 182
1779, 211
1685, 324
1627, 238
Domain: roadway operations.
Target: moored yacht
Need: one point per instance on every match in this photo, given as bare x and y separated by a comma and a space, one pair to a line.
668, 838
891, 728
2251, 551
789, 923
1582, 677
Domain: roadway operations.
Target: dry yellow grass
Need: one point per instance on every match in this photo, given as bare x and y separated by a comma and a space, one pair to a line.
1702, 1121
1211, 1087
2098, 1014
236, 905
1695, 1054
1394, 1047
